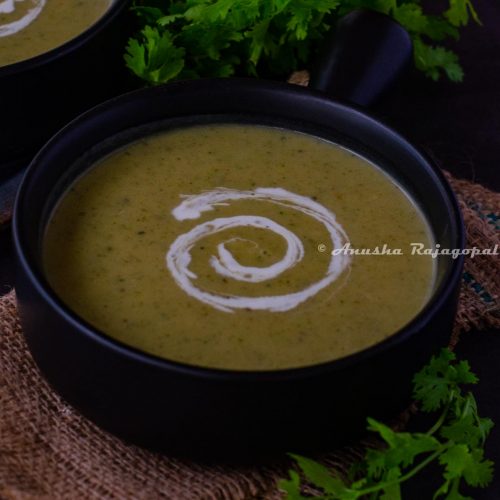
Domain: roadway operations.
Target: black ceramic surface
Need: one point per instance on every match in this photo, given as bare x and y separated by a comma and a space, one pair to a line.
362, 58
168, 405
39, 95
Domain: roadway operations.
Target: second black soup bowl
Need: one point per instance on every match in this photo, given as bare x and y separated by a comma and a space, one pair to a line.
172, 406
40, 94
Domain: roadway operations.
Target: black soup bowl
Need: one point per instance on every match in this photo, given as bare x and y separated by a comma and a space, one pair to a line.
41, 94
187, 409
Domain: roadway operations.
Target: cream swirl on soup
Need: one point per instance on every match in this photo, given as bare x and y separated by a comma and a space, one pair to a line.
179, 257
20, 19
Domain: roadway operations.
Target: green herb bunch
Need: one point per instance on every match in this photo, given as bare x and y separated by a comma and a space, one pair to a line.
207, 38
455, 442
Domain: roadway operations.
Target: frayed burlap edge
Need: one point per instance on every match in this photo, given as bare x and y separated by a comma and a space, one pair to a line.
479, 297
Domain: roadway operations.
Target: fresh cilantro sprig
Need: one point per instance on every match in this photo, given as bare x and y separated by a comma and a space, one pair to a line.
203, 38
455, 441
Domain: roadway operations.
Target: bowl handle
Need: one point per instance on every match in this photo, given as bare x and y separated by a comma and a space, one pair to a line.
362, 57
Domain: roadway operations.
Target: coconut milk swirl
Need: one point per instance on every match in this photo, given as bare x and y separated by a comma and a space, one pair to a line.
178, 257
9, 7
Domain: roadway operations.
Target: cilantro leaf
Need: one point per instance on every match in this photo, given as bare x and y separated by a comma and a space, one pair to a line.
411, 16
319, 475
467, 431
432, 385
460, 461
459, 12
156, 59
260, 41
136, 57
455, 460
403, 446
292, 486
478, 471
433, 60
392, 491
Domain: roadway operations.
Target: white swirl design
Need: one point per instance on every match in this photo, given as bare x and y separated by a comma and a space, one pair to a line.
8, 7
178, 257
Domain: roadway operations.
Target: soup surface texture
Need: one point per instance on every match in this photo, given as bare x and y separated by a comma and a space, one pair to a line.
215, 246
29, 28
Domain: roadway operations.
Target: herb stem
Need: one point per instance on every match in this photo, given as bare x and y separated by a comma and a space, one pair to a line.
406, 476
443, 416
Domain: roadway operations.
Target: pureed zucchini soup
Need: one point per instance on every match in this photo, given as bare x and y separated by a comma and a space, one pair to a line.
31, 27
214, 245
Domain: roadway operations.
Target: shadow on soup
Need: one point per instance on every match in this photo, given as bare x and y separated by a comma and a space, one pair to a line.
232, 246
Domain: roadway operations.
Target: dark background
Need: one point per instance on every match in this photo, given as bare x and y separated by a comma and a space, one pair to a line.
459, 126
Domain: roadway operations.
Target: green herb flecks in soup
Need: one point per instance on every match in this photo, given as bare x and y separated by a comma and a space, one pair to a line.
213, 246
31, 27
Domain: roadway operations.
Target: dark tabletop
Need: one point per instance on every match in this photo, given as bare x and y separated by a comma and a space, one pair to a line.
459, 126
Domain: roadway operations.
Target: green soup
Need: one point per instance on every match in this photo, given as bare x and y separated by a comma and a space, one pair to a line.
231, 246
29, 28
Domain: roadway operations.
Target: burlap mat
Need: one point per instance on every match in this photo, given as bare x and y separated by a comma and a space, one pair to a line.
49, 451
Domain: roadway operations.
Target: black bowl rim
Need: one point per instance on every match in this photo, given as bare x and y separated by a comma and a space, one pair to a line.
67, 47
435, 303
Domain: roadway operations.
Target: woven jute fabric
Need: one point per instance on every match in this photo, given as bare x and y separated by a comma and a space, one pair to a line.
48, 451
